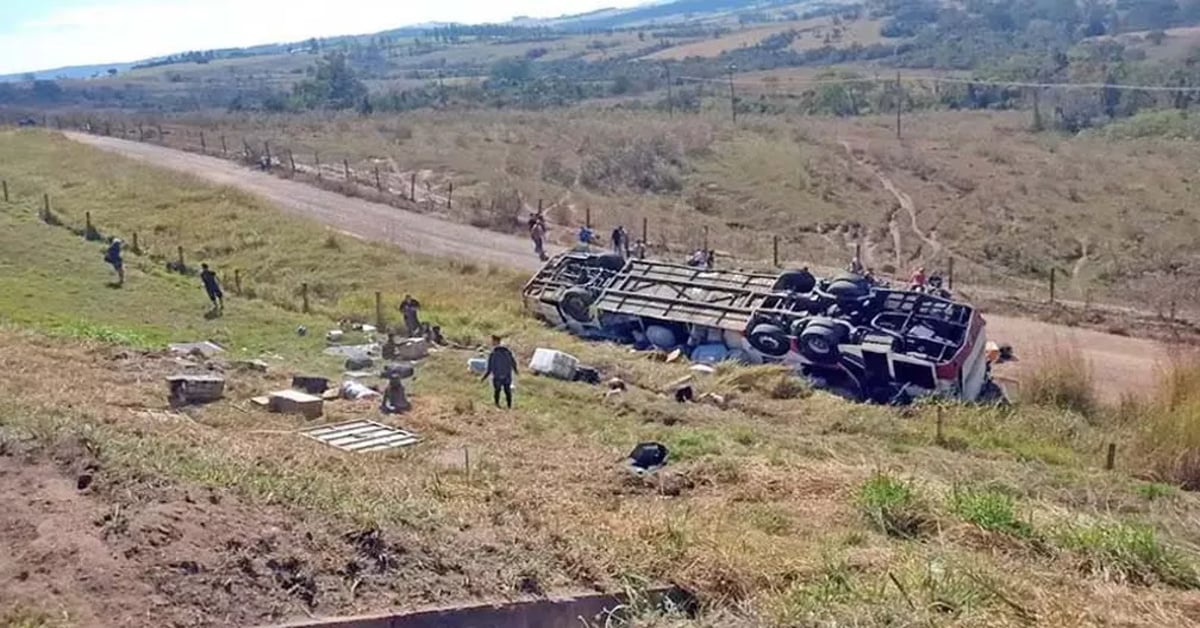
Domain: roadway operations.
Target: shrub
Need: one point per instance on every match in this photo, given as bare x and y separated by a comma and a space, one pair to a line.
1129, 553
989, 509
893, 506
1062, 379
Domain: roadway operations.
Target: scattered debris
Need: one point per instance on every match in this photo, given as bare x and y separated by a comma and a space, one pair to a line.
554, 363
358, 374
334, 335
477, 366
302, 331
411, 349
617, 383
296, 402
359, 362
361, 436
684, 394
310, 384
204, 349
356, 390
674, 356
185, 389
702, 368
647, 457
720, 401
252, 365
395, 399
587, 375
398, 370
371, 349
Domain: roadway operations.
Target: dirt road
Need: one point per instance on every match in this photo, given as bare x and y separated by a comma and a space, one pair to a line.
1120, 365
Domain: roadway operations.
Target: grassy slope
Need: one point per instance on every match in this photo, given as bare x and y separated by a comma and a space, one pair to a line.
770, 519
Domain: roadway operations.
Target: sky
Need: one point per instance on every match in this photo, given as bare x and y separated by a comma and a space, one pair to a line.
44, 34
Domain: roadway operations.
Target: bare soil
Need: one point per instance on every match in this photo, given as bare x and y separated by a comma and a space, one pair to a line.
1121, 365
104, 551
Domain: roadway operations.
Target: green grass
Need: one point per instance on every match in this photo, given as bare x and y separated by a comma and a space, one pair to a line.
1129, 552
991, 510
893, 506
1154, 491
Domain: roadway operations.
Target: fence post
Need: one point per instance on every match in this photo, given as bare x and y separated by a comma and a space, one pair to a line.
224, 148
267, 152
379, 310
950, 276
5, 191
706, 239
1111, 459
292, 161
203, 144
940, 438
161, 137
45, 206
587, 221
304, 296
1052, 273
450, 196
237, 281
87, 226
378, 183
346, 168
182, 266
141, 132
775, 250
412, 187
136, 248
317, 161
645, 230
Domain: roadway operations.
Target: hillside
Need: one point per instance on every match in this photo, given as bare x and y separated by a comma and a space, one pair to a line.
770, 516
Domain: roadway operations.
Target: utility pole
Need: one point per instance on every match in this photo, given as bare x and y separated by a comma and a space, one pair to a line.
670, 96
732, 95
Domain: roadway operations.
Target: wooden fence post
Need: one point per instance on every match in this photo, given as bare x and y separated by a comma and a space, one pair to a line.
378, 183
412, 187
5, 183
203, 144
136, 247
45, 206
87, 226
1111, 459
1052, 272
182, 266
950, 276
645, 230
775, 250
317, 161
940, 437
237, 281
224, 148
346, 168
267, 152
141, 132
706, 239
587, 217
292, 161
304, 296
379, 310
450, 196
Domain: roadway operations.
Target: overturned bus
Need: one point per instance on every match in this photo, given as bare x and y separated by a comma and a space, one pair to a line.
844, 333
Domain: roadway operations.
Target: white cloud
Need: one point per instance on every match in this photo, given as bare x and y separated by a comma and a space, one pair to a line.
127, 30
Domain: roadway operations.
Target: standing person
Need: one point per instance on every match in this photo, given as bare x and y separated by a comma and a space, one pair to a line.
501, 367
620, 241
212, 287
113, 257
639, 249
917, 282
586, 237
410, 307
537, 232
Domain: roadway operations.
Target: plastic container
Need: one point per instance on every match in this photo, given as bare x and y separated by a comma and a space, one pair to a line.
477, 365
554, 363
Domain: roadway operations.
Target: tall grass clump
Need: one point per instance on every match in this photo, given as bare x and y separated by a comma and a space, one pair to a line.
1167, 426
1129, 553
894, 507
989, 509
1062, 379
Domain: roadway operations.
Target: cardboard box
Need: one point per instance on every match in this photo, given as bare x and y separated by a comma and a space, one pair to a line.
296, 402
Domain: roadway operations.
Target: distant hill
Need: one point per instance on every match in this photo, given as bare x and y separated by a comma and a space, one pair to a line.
600, 19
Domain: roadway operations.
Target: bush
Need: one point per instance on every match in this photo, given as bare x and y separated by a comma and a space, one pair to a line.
1063, 379
1129, 553
991, 510
893, 506
652, 164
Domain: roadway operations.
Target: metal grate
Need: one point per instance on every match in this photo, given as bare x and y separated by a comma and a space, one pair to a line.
361, 436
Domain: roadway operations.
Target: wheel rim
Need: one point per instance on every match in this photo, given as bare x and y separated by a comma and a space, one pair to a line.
818, 345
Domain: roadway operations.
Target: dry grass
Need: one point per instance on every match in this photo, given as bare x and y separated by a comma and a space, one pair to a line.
1062, 379
758, 512
1166, 427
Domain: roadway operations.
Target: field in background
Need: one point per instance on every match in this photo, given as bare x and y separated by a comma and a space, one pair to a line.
787, 508
1008, 205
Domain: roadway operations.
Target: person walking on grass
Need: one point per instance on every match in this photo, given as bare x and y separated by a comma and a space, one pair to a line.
501, 367
113, 257
213, 288
411, 308
537, 232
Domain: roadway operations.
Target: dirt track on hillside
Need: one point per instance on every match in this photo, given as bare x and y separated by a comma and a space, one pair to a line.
1120, 365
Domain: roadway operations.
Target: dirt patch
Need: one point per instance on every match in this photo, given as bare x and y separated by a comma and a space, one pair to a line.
110, 553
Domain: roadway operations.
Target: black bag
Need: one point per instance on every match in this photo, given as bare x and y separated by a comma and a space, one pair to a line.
647, 455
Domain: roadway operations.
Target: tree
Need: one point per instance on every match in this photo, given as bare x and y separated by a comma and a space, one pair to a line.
1156, 37
512, 70
46, 91
334, 85
112, 71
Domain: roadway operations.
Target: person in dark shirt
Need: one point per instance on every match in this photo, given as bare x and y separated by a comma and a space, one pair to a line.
113, 256
501, 367
411, 308
212, 287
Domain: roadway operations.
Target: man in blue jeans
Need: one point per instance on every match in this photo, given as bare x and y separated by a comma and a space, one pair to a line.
501, 367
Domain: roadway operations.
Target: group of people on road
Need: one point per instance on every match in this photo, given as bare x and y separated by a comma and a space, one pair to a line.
587, 238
